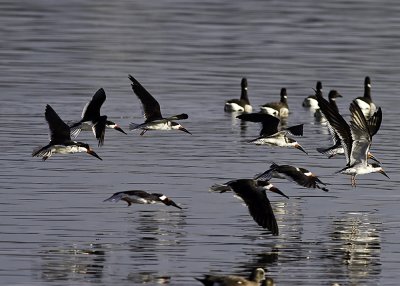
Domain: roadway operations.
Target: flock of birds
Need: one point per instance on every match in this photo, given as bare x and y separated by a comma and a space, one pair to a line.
351, 139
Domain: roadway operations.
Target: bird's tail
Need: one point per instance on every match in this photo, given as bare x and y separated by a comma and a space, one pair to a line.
42, 151
296, 130
220, 188
115, 198
133, 126
75, 129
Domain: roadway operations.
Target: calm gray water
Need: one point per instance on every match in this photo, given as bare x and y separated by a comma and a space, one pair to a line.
55, 228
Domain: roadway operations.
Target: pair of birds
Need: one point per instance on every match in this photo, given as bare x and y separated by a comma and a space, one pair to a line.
253, 191
60, 132
365, 102
277, 109
355, 138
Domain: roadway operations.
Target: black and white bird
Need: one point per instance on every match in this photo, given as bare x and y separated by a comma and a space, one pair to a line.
277, 109
152, 112
141, 197
270, 135
253, 193
92, 120
254, 279
355, 138
332, 96
301, 176
242, 104
60, 139
311, 100
365, 102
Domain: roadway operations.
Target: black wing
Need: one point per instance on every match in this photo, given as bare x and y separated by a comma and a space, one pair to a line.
59, 130
92, 109
259, 206
338, 124
151, 107
100, 129
374, 122
269, 123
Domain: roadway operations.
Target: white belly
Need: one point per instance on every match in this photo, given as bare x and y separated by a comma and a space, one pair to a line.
269, 111
230, 106
61, 149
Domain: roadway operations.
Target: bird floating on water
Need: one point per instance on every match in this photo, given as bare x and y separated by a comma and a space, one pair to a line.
356, 138
253, 193
92, 120
277, 109
141, 197
311, 100
270, 135
60, 139
152, 112
365, 102
301, 176
242, 104
254, 279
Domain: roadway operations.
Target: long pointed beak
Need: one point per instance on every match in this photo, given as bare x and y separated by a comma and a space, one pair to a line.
384, 173
120, 129
372, 157
298, 146
91, 152
277, 191
174, 204
184, 130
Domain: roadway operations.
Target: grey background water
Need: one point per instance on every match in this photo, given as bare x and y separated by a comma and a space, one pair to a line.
55, 228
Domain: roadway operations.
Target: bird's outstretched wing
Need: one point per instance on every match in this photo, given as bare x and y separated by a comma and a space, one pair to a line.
59, 130
151, 107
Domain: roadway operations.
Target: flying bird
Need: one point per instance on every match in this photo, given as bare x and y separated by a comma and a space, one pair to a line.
152, 112
60, 139
141, 197
253, 193
301, 176
92, 120
270, 135
356, 138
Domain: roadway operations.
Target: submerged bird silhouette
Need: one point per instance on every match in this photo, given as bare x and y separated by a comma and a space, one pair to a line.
152, 112
60, 139
92, 120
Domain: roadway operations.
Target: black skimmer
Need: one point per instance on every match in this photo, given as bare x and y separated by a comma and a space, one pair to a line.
333, 94
152, 112
254, 279
301, 176
270, 135
356, 138
365, 102
141, 197
242, 104
60, 139
277, 109
337, 148
253, 193
92, 120
311, 100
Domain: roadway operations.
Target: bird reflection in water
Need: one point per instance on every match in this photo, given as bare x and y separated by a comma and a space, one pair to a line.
73, 263
357, 246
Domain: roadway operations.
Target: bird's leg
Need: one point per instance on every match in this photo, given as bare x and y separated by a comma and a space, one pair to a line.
353, 181
143, 131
